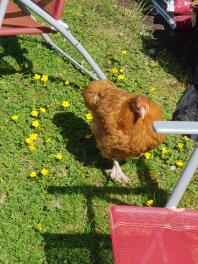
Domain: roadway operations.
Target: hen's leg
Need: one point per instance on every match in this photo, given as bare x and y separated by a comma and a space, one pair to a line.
117, 173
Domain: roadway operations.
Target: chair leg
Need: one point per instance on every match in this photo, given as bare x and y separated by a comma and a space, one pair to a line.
184, 180
3, 7
67, 34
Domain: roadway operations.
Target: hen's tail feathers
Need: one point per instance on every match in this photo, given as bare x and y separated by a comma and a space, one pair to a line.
187, 108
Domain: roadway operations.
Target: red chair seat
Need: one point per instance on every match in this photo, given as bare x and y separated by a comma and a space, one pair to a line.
147, 235
17, 22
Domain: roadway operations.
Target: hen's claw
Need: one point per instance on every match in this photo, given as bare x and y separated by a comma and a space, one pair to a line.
117, 174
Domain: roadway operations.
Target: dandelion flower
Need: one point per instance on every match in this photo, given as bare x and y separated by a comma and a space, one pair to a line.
43, 110
44, 78
67, 82
33, 174
123, 52
149, 202
185, 138
152, 89
164, 151
114, 70
33, 136
121, 77
44, 171
32, 147
37, 77
153, 173
34, 113
59, 156
18, 68
15, 118
121, 70
147, 155
179, 163
180, 146
65, 104
40, 227
29, 141
89, 116
88, 136
35, 123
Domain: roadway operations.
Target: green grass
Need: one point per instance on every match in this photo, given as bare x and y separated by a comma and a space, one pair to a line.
71, 202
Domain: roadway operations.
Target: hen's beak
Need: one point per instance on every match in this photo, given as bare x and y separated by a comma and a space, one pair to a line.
142, 112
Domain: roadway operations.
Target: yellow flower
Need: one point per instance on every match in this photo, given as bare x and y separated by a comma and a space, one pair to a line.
44, 171
32, 147
114, 70
180, 146
37, 76
149, 202
185, 138
15, 118
65, 104
29, 141
35, 123
123, 52
48, 140
43, 110
33, 136
34, 113
59, 156
18, 68
33, 174
67, 82
89, 116
40, 227
179, 163
44, 78
153, 173
121, 77
147, 155
88, 136
152, 89
121, 70
164, 151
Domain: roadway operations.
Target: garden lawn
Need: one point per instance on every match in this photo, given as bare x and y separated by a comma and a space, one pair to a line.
54, 196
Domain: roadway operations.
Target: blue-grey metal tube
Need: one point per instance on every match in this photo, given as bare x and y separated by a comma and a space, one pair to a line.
67, 35
3, 7
176, 127
184, 180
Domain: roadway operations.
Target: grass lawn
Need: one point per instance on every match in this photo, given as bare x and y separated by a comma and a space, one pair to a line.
54, 209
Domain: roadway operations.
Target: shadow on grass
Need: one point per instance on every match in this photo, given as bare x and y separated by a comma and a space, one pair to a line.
173, 50
74, 130
12, 47
92, 246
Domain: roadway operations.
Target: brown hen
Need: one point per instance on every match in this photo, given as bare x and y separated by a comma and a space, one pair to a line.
122, 123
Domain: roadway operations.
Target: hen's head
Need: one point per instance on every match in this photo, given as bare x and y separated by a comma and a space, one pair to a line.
139, 105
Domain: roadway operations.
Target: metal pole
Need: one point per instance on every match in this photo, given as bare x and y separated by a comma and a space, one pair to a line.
3, 7
67, 35
184, 180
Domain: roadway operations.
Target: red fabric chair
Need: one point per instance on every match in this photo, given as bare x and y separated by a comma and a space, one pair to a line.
150, 235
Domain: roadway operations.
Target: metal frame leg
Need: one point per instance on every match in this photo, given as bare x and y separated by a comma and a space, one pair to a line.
3, 7
67, 34
184, 180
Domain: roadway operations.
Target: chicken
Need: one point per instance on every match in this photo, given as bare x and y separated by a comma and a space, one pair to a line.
122, 123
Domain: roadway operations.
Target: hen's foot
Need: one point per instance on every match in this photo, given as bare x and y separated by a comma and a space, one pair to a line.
117, 174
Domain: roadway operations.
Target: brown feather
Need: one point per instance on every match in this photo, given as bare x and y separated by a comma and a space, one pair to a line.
119, 129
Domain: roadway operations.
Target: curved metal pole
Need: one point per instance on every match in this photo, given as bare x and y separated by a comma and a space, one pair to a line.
65, 31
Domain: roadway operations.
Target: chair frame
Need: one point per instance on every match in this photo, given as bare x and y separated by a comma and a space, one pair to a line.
61, 27
181, 128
